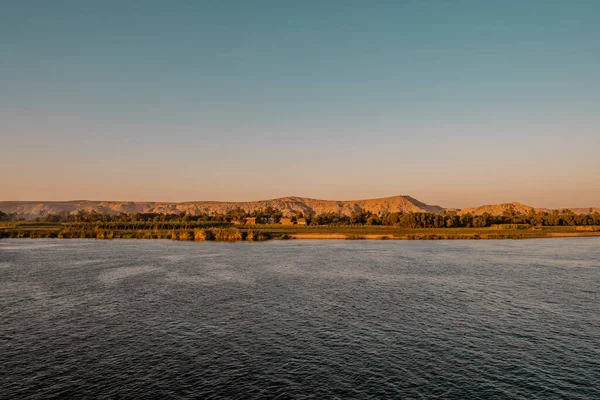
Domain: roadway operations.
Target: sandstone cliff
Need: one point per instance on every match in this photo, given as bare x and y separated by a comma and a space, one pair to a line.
289, 206
517, 208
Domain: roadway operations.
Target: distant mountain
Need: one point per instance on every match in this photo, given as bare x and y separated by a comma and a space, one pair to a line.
517, 208
498, 209
288, 205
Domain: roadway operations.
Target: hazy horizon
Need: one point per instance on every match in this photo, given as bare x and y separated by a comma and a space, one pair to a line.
455, 104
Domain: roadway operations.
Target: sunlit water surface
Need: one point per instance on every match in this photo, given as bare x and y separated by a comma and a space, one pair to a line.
300, 319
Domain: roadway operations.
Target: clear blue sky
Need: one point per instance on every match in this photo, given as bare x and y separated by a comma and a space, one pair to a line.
456, 103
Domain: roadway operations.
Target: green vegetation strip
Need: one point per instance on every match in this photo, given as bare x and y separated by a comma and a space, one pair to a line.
229, 233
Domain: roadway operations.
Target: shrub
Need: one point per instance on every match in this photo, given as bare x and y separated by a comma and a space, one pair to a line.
255, 236
186, 235
226, 234
201, 235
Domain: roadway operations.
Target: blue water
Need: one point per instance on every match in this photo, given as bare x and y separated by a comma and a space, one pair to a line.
300, 319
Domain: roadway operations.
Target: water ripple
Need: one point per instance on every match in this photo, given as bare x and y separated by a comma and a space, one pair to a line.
368, 320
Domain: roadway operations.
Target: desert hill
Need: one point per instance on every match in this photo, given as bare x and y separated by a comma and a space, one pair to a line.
517, 208
499, 209
288, 205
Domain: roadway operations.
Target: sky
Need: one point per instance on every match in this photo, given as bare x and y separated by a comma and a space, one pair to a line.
457, 103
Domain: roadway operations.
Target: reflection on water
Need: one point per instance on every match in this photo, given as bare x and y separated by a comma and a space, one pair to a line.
346, 319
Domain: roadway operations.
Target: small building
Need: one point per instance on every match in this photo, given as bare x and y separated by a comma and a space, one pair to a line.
251, 221
236, 222
286, 221
301, 221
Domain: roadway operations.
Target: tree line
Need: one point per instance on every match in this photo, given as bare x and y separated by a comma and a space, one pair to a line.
271, 215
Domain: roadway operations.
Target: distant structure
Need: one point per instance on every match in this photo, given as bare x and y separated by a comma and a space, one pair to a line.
236, 222
286, 221
301, 221
250, 221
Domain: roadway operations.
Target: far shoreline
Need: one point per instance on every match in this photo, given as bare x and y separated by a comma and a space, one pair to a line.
259, 233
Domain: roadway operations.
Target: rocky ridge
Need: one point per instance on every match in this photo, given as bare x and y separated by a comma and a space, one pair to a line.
288, 205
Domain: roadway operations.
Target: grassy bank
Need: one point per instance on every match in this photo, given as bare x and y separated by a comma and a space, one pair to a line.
229, 233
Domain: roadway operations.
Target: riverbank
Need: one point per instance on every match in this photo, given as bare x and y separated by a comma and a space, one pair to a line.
278, 232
